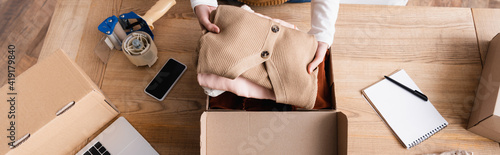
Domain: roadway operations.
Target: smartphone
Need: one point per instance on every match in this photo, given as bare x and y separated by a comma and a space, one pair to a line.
165, 79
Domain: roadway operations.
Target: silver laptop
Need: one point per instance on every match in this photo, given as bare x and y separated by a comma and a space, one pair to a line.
120, 138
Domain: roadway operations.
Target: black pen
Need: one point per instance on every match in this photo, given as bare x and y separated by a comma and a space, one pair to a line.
414, 92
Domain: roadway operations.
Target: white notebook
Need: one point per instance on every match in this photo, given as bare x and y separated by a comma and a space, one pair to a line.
412, 119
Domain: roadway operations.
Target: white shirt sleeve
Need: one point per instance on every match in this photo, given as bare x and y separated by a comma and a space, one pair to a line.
323, 17
194, 3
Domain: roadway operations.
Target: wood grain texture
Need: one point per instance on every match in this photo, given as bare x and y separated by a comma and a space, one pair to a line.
494, 4
438, 52
74, 29
453, 3
456, 3
487, 26
25, 23
443, 3
11, 8
436, 46
66, 27
171, 126
86, 58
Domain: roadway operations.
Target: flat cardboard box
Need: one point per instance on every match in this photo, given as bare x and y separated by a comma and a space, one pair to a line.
297, 132
274, 132
485, 116
43, 90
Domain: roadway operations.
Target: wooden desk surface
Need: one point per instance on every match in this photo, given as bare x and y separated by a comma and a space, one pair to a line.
436, 46
487, 26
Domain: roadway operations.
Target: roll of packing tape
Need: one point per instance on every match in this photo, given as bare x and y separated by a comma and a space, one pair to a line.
140, 49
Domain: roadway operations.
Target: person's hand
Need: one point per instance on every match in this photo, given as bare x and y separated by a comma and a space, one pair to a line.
203, 14
320, 55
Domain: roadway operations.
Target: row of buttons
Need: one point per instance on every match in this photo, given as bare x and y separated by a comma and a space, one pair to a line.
275, 29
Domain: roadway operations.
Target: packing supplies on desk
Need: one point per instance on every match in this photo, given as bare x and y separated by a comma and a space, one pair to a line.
133, 34
412, 119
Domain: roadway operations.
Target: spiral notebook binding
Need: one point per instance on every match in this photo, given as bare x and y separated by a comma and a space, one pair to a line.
426, 136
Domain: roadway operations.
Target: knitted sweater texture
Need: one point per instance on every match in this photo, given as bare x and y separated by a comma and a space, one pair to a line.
261, 50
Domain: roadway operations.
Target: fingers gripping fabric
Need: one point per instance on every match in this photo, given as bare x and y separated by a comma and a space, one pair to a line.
262, 51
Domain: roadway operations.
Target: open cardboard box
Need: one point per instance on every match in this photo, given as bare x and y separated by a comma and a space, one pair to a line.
52, 86
485, 115
274, 132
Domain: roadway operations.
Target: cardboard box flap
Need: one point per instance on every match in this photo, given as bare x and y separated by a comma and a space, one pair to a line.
496, 110
302, 132
203, 134
41, 91
342, 133
489, 85
489, 127
67, 131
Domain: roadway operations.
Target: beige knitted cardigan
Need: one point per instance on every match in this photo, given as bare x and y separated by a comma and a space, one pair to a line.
261, 50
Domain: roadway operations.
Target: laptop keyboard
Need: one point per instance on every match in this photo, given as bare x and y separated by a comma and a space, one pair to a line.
97, 149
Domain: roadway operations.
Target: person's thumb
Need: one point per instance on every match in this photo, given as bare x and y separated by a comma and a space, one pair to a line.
203, 13
319, 57
211, 27
317, 60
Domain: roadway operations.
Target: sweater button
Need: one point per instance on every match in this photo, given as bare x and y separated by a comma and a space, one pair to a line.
264, 54
275, 28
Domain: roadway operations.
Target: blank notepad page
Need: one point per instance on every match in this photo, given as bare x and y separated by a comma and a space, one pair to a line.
411, 118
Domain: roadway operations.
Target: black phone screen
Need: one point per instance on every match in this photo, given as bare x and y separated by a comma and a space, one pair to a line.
165, 79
